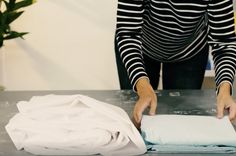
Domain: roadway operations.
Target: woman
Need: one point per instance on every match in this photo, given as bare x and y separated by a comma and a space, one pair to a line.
177, 34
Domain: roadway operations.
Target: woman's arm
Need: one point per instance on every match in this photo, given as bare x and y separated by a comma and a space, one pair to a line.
128, 37
222, 39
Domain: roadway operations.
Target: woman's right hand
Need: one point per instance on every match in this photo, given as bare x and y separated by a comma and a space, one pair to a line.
147, 98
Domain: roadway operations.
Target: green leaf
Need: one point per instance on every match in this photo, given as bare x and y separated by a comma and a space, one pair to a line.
9, 15
12, 2
1, 40
6, 28
11, 5
12, 16
14, 34
3, 18
6, 4
23, 3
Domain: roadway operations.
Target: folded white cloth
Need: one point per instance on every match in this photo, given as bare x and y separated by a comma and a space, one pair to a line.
73, 125
188, 134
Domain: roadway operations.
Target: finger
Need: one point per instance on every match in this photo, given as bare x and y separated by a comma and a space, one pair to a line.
138, 114
153, 107
136, 117
232, 113
137, 125
220, 110
141, 106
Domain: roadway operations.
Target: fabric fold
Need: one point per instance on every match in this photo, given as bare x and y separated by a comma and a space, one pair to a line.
73, 125
188, 134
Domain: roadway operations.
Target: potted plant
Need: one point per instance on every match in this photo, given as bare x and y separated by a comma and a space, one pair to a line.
8, 14
10, 10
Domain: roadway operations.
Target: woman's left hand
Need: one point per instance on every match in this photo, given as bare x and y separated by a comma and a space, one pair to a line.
226, 101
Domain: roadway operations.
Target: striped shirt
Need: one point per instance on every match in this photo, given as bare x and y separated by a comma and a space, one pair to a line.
176, 30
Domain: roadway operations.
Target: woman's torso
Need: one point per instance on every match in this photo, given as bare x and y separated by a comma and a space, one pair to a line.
174, 30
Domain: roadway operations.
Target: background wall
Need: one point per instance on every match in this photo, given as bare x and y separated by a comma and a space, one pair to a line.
70, 46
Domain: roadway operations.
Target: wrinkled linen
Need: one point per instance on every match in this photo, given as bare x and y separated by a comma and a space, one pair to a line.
188, 134
73, 125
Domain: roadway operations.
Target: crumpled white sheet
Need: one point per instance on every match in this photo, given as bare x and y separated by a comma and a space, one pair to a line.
73, 125
188, 134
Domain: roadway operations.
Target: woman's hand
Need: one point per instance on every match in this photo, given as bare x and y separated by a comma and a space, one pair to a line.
147, 98
225, 101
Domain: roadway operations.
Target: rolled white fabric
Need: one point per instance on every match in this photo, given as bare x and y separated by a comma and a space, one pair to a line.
188, 134
73, 125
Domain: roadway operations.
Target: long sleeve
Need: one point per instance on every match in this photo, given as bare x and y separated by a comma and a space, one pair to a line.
222, 40
128, 36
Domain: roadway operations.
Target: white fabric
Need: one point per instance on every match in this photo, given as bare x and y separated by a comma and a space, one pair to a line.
187, 133
73, 125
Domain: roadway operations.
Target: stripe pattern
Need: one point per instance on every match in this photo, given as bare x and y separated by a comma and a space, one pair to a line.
174, 30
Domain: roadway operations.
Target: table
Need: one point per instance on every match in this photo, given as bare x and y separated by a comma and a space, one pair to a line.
195, 102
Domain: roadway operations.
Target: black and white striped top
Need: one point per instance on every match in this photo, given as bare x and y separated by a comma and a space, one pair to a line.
176, 30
